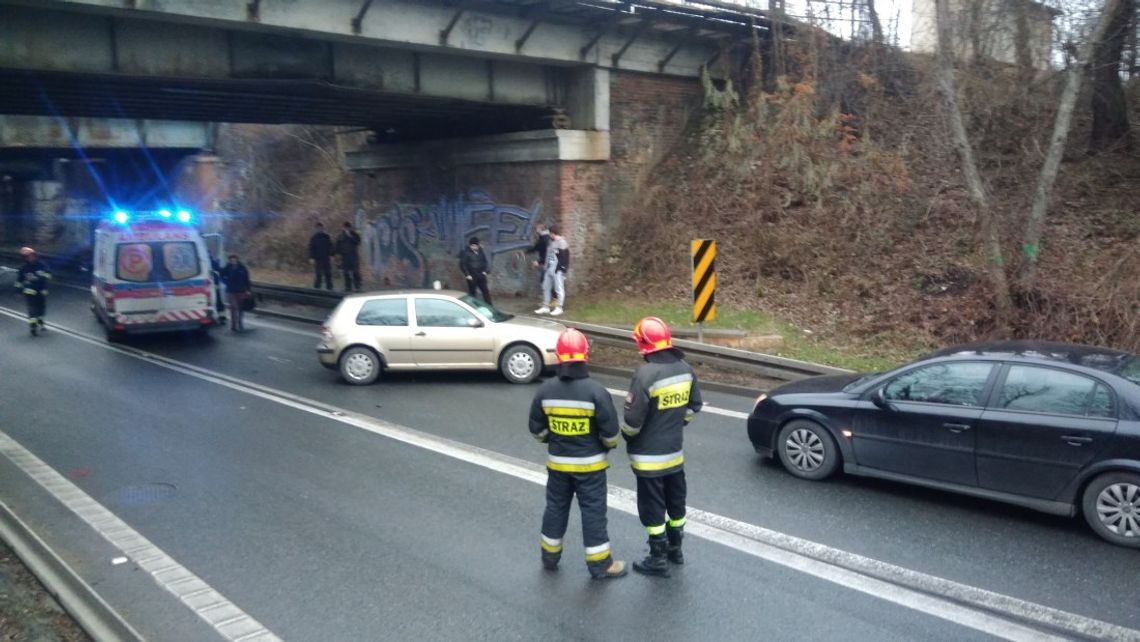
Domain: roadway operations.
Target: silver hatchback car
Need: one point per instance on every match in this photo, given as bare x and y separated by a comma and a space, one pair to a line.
432, 330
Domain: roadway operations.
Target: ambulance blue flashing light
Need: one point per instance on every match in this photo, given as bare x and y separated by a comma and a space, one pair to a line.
122, 217
164, 213
183, 216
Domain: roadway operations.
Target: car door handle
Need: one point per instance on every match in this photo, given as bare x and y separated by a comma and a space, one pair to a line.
421, 334
956, 428
1075, 440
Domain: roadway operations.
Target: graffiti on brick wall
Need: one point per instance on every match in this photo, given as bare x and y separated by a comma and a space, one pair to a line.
413, 244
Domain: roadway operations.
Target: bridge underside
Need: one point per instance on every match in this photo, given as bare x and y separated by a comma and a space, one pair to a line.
270, 101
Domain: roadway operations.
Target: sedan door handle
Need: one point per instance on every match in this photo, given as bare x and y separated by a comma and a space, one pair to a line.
956, 428
421, 334
1074, 440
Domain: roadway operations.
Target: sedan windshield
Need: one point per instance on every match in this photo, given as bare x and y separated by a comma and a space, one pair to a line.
486, 310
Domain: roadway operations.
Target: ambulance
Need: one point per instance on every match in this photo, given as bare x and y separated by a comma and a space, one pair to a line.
151, 273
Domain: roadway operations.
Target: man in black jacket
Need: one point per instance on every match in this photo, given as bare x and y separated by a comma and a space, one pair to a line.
348, 247
236, 277
475, 266
320, 255
575, 416
539, 248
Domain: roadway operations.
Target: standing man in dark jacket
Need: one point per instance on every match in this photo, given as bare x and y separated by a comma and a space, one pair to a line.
575, 416
236, 277
32, 280
475, 266
539, 248
348, 247
320, 255
663, 398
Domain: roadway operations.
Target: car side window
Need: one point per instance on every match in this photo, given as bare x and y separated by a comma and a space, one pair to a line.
437, 313
955, 384
1033, 389
390, 312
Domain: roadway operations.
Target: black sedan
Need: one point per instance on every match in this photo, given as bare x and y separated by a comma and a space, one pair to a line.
1049, 426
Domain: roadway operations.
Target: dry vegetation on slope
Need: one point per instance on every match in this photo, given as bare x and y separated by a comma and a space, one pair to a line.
837, 203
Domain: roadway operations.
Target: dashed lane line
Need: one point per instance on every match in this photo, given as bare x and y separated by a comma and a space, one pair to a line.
1000, 615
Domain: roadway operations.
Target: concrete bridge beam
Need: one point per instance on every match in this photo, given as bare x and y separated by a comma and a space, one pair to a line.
48, 132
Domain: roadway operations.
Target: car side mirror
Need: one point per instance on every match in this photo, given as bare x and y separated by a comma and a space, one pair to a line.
879, 398
475, 323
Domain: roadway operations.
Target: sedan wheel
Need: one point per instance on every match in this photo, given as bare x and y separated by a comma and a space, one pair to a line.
1111, 505
359, 366
520, 364
807, 450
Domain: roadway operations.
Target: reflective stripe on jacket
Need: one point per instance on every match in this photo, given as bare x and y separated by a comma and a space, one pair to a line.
575, 416
32, 278
662, 399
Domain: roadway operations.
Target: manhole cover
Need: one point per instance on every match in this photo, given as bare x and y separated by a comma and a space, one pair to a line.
141, 494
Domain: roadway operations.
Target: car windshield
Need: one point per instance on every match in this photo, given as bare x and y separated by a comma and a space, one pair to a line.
486, 310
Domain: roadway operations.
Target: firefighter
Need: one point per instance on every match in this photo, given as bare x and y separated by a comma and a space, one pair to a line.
32, 280
663, 398
575, 416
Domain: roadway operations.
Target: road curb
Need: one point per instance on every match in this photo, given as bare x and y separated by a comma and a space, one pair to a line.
97, 618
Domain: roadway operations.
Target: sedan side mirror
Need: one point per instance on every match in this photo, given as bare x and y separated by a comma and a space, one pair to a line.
879, 398
475, 323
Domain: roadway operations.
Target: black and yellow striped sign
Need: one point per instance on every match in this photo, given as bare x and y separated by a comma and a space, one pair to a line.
704, 279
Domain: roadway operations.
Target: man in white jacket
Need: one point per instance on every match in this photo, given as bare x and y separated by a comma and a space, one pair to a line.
554, 276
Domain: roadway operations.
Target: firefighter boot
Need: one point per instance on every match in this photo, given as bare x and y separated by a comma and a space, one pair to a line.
613, 570
674, 537
550, 560
654, 563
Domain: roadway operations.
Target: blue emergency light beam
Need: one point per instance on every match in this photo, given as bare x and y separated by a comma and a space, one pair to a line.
121, 217
164, 213
184, 216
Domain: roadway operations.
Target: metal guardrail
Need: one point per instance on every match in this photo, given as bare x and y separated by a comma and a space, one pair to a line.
779, 368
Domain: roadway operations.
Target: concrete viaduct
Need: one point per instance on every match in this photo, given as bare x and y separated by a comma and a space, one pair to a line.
487, 116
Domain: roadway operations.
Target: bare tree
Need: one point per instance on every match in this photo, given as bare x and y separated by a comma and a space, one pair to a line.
1109, 105
1061, 126
947, 82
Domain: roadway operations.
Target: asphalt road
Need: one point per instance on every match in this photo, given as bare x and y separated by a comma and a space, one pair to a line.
410, 509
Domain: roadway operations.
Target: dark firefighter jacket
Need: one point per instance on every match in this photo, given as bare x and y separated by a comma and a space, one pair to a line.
575, 416
473, 263
662, 399
32, 279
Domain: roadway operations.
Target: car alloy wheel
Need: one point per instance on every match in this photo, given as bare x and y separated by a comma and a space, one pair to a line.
520, 364
1111, 506
359, 366
1118, 508
807, 450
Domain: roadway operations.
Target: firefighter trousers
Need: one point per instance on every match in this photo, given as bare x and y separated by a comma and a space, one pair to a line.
657, 496
37, 306
590, 488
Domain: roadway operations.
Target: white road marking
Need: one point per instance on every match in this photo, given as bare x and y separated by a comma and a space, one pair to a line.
987, 611
735, 414
228, 620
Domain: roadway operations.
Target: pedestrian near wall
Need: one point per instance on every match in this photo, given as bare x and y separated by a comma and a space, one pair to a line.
575, 416
348, 247
32, 280
662, 399
320, 256
539, 249
475, 265
236, 277
554, 275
